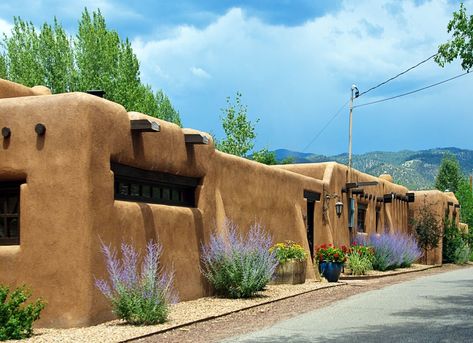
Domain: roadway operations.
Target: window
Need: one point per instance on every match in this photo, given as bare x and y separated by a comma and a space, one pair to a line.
10, 213
360, 226
134, 184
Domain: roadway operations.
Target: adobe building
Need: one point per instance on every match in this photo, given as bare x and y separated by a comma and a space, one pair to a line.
76, 169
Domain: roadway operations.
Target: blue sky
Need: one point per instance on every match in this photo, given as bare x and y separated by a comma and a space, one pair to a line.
294, 62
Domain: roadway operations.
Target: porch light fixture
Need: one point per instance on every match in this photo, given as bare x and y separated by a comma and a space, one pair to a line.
339, 208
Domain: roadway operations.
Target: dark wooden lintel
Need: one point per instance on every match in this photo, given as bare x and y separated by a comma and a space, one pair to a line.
196, 138
311, 196
411, 197
144, 125
358, 191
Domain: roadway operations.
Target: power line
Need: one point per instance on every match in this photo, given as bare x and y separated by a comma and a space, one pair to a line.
395, 77
411, 92
325, 126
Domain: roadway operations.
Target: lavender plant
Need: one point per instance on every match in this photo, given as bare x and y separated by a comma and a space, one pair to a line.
238, 266
140, 297
393, 251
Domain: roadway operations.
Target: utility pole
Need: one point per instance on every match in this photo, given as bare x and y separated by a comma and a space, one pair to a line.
354, 94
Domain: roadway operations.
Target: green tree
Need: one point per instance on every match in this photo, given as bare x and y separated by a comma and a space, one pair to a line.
22, 54
265, 156
288, 160
96, 58
461, 43
449, 175
3, 67
239, 130
428, 228
165, 110
56, 58
465, 198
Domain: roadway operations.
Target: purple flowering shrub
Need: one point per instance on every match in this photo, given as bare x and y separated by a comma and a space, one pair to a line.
394, 251
139, 296
238, 266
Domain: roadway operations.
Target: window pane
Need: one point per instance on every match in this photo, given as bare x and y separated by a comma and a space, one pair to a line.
123, 189
2, 204
146, 191
12, 204
166, 194
175, 195
2, 228
157, 193
13, 226
135, 190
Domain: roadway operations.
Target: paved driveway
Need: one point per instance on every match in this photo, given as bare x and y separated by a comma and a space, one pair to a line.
436, 308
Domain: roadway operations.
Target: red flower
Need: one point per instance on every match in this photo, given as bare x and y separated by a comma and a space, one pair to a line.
323, 246
330, 245
336, 255
354, 244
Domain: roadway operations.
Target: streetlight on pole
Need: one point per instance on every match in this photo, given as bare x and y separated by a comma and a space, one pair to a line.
355, 93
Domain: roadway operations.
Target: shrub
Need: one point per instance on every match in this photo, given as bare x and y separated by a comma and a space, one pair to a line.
287, 251
330, 253
16, 321
359, 264
428, 228
139, 297
363, 250
452, 241
238, 266
462, 254
393, 251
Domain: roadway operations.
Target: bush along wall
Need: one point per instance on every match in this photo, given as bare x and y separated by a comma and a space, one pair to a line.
138, 297
16, 318
238, 266
456, 248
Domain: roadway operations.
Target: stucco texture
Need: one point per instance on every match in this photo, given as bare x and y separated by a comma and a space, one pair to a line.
67, 200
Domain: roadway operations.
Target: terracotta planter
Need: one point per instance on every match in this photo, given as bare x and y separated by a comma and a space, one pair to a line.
290, 272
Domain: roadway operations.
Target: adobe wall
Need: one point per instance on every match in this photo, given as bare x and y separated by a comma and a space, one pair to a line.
67, 203
438, 203
330, 228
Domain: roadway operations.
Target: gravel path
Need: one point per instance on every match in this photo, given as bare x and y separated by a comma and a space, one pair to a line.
223, 313
263, 316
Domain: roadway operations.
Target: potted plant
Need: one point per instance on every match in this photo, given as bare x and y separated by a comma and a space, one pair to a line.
331, 260
292, 263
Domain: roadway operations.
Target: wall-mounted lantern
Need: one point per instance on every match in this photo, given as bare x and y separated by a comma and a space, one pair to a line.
6, 132
40, 129
339, 208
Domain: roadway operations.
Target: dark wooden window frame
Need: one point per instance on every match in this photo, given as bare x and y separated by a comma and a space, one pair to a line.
361, 208
174, 190
10, 189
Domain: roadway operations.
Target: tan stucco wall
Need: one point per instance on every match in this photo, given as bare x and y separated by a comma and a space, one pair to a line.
438, 203
68, 206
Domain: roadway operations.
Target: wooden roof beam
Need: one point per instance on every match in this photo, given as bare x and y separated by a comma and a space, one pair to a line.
144, 125
196, 138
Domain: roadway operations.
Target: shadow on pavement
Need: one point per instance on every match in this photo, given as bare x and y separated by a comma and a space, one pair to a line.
449, 320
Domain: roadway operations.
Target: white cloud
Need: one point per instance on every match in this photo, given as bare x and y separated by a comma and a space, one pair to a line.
199, 72
299, 72
5, 27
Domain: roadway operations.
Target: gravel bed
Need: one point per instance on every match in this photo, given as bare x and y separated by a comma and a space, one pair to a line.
181, 314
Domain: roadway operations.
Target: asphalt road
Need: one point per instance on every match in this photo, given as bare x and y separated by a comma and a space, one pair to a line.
437, 308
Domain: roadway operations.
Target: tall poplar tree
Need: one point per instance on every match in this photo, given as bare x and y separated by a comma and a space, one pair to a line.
95, 58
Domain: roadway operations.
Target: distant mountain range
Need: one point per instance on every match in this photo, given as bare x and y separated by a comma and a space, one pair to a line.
414, 169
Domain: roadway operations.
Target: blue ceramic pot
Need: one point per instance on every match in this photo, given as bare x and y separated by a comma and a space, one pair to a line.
330, 270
